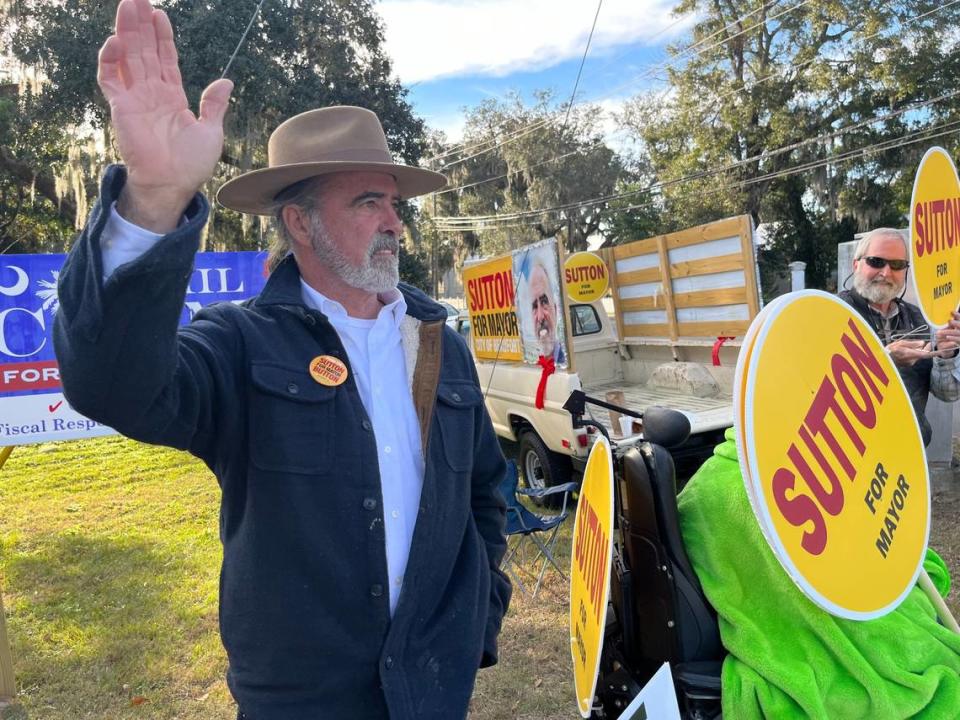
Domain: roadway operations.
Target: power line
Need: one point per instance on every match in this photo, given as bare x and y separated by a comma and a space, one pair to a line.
576, 83
945, 129
540, 123
844, 158
601, 143
458, 147
543, 122
755, 82
687, 51
517, 134
709, 173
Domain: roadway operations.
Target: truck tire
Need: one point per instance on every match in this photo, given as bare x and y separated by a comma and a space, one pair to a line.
540, 468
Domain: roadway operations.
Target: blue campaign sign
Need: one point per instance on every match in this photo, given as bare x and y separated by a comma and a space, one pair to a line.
32, 409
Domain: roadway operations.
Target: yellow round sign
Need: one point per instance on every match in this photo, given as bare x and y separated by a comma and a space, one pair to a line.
740, 398
585, 276
590, 571
834, 456
935, 236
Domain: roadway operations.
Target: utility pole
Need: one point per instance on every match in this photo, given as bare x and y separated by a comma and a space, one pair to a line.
433, 252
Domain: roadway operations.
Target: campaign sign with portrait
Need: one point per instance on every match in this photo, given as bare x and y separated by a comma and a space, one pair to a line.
536, 277
32, 406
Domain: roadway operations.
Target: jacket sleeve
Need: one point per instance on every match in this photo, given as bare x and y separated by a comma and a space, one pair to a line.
944, 383
122, 360
489, 513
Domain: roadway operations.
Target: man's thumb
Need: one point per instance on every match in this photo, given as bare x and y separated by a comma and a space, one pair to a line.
215, 101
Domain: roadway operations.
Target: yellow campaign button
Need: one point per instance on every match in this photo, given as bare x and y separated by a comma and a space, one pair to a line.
935, 236
833, 457
585, 276
590, 563
328, 370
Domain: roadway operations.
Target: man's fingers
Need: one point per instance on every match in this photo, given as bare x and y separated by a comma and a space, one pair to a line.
128, 30
215, 100
148, 40
108, 67
166, 48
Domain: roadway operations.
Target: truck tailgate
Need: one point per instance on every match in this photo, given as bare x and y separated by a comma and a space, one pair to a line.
704, 413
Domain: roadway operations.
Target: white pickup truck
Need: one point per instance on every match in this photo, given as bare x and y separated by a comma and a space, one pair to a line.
551, 450
670, 337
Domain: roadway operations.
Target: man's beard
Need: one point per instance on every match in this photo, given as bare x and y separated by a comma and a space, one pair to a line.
545, 337
376, 274
877, 291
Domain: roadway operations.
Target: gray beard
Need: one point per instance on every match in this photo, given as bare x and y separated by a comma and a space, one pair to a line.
877, 292
376, 274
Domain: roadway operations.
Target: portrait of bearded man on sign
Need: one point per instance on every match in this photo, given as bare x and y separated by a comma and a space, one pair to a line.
540, 303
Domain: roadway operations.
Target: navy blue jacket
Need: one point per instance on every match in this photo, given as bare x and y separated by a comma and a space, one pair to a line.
304, 600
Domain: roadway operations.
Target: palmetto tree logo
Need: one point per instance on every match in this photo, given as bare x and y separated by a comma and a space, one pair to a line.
48, 293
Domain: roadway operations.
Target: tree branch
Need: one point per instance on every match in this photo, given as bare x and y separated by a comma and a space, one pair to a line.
42, 181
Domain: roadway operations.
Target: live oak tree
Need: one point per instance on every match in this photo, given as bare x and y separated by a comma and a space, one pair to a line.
516, 157
300, 54
756, 76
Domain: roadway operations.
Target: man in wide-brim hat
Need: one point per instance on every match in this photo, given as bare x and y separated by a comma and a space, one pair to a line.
360, 518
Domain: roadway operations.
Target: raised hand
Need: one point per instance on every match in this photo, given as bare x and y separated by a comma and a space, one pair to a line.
169, 152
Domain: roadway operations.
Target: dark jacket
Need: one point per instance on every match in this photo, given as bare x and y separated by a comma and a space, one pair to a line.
918, 378
304, 600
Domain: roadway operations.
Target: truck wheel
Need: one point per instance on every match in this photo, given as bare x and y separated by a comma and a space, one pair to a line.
542, 468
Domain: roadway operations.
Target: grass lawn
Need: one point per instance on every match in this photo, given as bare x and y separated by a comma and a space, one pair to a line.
109, 564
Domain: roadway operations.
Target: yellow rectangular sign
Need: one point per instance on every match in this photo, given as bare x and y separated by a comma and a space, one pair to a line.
493, 313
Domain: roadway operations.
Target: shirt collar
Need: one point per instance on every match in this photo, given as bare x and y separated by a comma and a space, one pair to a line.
394, 306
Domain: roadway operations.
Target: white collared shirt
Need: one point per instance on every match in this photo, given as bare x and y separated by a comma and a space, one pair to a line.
380, 372
378, 363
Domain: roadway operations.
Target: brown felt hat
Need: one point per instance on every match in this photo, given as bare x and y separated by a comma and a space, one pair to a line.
319, 142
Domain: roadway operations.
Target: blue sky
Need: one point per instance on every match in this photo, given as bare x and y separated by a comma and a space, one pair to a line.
453, 54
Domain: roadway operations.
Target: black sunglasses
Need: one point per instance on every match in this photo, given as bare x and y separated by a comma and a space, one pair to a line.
878, 262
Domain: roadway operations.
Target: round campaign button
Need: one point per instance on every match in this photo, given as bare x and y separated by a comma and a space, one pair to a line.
328, 370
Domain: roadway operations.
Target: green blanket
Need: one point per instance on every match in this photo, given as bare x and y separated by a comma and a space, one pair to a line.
787, 657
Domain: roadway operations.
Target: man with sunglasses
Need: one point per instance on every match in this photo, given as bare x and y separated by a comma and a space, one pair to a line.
879, 276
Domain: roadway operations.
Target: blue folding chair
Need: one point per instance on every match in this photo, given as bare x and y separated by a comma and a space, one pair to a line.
524, 525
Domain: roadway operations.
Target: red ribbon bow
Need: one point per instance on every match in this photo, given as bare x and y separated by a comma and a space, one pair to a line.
549, 367
716, 349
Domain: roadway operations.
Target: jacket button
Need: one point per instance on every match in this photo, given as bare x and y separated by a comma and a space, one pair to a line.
388, 662
456, 397
365, 424
293, 388
369, 504
311, 320
376, 590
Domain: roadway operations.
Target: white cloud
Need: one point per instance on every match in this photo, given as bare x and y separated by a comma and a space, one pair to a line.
451, 124
430, 39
